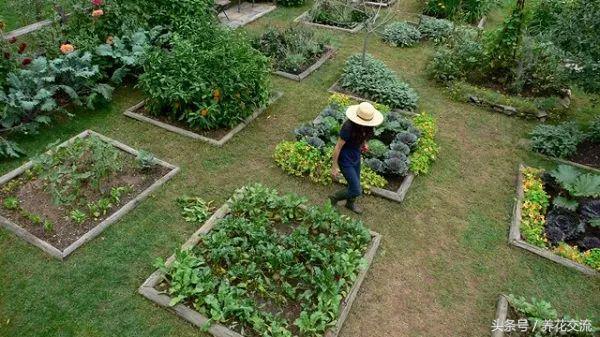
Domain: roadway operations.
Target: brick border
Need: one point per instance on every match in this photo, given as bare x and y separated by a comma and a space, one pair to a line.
336, 89
148, 290
92, 233
514, 235
329, 52
216, 142
303, 18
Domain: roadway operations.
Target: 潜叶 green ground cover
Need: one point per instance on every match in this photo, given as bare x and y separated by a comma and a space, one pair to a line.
444, 256
272, 267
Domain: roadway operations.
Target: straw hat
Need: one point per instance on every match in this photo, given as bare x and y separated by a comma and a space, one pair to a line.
364, 114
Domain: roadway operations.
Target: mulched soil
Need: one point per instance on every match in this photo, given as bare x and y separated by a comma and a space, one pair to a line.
588, 153
34, 199
215, 134
394, 183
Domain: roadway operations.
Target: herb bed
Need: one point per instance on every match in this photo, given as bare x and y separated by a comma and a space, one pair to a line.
217, 137
327, 54
29, 209
304, 19
517, 238
262, 214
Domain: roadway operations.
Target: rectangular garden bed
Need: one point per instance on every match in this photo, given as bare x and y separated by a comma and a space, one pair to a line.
154, 288
303, 18
516, 239
33, 216
336, 89
329, 51
216, 137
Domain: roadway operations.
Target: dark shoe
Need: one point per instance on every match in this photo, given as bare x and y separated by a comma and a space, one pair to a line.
337, 197
351, 205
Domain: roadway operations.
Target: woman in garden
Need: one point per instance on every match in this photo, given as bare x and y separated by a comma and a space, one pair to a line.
354, 134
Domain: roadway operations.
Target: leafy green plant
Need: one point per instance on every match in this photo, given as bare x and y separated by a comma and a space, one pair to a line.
593, 132
11, 203
556, 140
48, 225
467, 10
339, 13
292, 49
195, 209
535, 204
375, 81
401, 34
206, 85
426, 149
535, 310
578, 184
435, 29
292, 3
78, 216
145, 160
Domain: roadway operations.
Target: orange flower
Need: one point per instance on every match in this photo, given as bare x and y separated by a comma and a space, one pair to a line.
98, 12
217, 95
109, 40
204, 112
67, 48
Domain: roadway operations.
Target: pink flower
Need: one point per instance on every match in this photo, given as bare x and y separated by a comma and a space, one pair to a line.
97, 2
98, 12
26, 61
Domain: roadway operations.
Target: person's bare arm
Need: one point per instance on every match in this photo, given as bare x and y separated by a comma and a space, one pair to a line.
335, 169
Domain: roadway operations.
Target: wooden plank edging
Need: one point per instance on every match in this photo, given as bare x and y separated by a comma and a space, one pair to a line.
501, 315
96, 230
216, 142
329, 51
515, 239
148, 290
380, 4
303, 18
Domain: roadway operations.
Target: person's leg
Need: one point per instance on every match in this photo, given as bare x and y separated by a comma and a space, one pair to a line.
354, 189
349, 174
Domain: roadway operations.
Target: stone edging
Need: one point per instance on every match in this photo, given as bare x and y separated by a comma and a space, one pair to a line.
514, 236
335, 89
329, 51
303, 19
501, 315
216, 142
380, 4
92, 233
148, 290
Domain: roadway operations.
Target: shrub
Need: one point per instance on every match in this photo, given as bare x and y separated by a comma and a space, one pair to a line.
401, 34
339, 13
461, 57
293, 49
556, 140
435, 29
206, 84
593, 132
375, 81
291, 3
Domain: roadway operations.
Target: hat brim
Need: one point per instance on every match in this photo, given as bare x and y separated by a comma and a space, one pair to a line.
351, 113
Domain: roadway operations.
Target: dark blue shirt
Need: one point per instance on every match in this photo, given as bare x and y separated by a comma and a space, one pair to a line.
350, 152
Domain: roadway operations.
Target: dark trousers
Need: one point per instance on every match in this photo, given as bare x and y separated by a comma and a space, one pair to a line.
352, 175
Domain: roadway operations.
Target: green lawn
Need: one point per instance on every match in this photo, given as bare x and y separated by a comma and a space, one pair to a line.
444, 256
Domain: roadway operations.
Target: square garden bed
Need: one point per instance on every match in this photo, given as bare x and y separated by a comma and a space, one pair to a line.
305, 19
327, 54
217, 137
266, 264
556, 216
402, 148
70, 194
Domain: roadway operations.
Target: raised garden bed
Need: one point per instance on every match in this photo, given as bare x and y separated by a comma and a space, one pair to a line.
329, 52
40, 207
290, 224
217, 137
304, 19
536, 216
402, 148
512, 321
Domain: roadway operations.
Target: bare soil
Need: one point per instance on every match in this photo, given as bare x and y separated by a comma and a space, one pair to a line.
588, 153
35, 199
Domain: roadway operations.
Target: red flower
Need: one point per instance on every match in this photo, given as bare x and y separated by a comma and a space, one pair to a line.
96, 2
22, 47
26, 61
12, 39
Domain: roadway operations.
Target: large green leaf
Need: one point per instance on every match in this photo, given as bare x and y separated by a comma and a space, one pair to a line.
565, 175
586, 185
